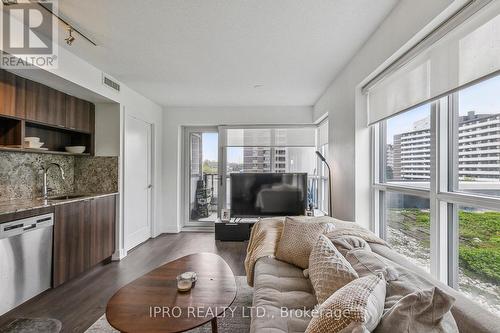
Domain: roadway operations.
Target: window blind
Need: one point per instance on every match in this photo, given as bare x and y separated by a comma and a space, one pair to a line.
271, 137
467, 53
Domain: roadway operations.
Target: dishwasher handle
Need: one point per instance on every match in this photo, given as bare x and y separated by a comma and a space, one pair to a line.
19, 227
29, 227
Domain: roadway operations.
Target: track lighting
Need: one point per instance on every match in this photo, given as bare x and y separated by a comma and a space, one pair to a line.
70, 39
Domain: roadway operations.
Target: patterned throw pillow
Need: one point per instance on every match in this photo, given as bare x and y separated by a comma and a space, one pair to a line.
356, 307
328, 269
422, 311
298, 239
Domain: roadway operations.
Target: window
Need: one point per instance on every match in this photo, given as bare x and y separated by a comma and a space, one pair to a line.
408, 227
272, 150
479, 255
407, 145
477, 138
468, 122
435, 116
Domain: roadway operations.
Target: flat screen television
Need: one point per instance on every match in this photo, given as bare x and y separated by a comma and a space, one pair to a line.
268, 194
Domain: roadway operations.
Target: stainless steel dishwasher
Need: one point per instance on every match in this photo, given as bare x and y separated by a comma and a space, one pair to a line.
25, 259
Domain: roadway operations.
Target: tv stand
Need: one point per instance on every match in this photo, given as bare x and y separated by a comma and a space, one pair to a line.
234, 231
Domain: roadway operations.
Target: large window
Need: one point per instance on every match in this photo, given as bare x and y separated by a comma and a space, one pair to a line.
435, 116
439, 183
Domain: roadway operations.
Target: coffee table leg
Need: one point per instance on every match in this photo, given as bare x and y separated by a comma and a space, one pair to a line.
214, 325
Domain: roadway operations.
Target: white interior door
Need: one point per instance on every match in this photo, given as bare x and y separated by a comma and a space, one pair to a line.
137, 182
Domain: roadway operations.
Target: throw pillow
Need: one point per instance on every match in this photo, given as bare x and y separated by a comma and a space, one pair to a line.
422, 311
347, 243
356, 307
328, 269
298, 239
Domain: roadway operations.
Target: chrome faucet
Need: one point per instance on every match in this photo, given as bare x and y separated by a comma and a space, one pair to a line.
45, 189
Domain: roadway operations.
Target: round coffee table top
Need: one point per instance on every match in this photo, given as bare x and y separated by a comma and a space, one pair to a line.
152, 303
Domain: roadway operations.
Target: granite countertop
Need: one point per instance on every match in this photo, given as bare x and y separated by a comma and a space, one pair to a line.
20, 205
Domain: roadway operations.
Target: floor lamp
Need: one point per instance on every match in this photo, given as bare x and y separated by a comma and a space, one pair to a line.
323, 159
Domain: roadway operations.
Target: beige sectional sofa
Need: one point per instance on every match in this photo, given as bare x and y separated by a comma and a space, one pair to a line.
282, 292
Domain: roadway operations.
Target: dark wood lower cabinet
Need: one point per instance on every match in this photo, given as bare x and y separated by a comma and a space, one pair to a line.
84, 233
71, 241
102, 229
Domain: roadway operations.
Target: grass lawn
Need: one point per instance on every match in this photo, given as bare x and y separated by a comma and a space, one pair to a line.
479, 234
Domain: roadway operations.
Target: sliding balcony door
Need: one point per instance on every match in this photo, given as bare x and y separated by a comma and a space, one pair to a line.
201, 176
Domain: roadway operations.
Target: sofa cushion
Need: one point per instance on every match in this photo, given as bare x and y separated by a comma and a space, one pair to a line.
421, 311
298, 238
328, 269
281, 294
356, 307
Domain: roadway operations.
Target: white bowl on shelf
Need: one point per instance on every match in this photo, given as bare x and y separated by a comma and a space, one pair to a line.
75, 149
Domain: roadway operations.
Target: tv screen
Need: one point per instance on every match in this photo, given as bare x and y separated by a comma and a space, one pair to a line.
268, 194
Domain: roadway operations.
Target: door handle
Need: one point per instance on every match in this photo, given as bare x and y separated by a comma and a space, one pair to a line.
150, 186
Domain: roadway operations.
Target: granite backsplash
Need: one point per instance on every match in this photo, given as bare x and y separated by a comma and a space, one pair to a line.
21, 174
96, 174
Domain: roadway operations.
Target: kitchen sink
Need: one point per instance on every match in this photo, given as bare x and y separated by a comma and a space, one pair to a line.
67, 197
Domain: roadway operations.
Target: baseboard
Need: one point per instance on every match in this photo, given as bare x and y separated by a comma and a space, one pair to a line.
210, 229
119, 255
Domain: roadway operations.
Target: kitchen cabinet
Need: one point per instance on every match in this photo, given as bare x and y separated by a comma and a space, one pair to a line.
45, 105
102, 229
78, 114
12, 95
84, 234
37, 102
57, 108
29, 108
71, 239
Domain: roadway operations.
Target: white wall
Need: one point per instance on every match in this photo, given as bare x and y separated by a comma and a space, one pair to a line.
176, 117
107, 129
349, 142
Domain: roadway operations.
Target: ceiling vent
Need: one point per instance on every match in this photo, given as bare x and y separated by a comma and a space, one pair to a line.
109, 82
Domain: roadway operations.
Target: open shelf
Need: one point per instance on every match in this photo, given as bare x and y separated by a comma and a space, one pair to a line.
11, 132
55, 139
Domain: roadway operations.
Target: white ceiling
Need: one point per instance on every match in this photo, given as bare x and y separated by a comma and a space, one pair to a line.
213, 52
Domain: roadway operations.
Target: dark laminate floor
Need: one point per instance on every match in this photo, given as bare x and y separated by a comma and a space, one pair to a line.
79, 303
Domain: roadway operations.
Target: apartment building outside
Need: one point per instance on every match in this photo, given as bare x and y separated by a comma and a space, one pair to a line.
478, 150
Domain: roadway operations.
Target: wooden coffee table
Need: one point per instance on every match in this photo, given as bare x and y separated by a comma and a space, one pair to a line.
135, 307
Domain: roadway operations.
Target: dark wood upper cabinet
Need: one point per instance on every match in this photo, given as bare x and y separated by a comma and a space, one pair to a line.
28, 108
78, 114
57, 108
37, 102
12, 94
71, 239
102, 229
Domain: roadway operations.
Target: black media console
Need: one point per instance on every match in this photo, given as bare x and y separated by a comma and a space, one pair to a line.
233, 231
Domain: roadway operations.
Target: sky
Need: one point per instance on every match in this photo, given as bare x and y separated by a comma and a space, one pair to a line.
210, 146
